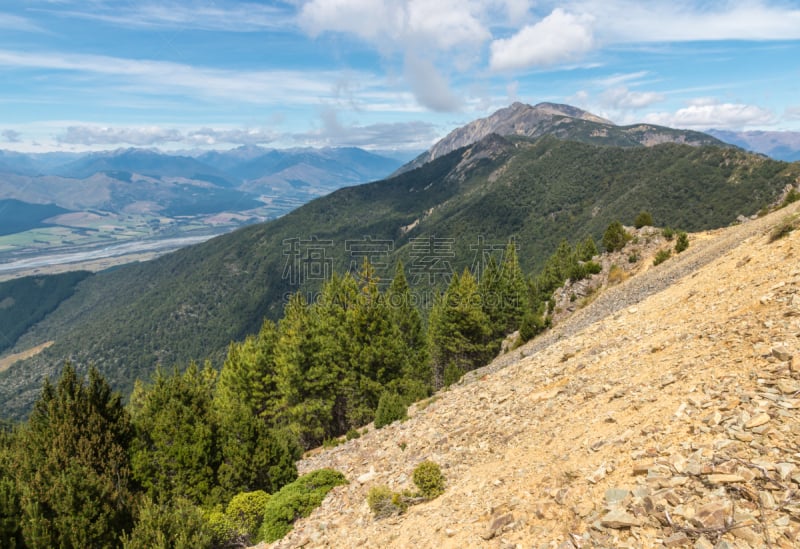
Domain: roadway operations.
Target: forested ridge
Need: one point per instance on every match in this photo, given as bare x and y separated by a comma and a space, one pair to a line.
198, 458
192, 303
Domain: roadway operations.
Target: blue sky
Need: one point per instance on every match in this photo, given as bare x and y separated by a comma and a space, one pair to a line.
380, 74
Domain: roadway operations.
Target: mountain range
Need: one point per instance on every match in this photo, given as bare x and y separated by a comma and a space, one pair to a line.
438, 218
781, 145
129, 195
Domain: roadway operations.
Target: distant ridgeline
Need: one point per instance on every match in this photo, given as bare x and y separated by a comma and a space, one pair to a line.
450, 214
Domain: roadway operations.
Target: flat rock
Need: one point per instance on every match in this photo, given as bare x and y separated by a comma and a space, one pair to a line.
757, 421
619, 518
781, 352
722, 478
711, 515
497, 525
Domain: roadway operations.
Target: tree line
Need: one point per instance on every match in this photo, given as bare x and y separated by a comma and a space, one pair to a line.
87, 471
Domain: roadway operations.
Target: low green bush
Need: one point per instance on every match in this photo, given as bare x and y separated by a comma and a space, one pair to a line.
223, 531
787, 225
245, 512
428, 479
391, 407
296, 500
644, 219
682, 242
385, 503
615, 237
792, 196
176, 525
662, 256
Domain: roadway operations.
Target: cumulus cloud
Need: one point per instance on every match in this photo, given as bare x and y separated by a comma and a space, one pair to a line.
150, 136
622, 98
211, 136
396, 25
704, 114
11, 136
98, 135
558, 38
435, 39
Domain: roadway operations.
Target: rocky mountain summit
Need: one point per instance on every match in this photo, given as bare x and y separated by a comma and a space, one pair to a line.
664, 413
562, 121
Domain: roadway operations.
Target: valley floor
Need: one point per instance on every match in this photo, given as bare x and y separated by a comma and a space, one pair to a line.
665, 413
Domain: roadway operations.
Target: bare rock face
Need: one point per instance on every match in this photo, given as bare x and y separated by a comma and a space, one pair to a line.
657, 415
517, 119
561, 121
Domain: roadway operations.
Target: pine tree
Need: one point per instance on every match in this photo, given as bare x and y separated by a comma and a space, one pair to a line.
249, 376
73, 467
513, 292
417, 377
459, 331
252, 456
175, 451
10, 511
305, 377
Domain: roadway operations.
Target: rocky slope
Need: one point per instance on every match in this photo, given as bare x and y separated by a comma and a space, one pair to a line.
665, 413
562, 121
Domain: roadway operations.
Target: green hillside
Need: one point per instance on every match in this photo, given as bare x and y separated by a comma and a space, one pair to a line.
192, 303
26, 301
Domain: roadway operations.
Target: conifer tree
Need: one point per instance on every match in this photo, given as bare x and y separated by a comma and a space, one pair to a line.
417, 377
175, 451
248, 375
252, 456
304, 381
378, 351
512, 296
10, 511
73, 467
459, 331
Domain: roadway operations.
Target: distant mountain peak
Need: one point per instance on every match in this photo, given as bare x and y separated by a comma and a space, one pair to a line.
562, 121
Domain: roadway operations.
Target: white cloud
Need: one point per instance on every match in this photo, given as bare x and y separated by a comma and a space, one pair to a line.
163, 77
93, 135
11, 136
714, 115
792, 113
412, 135
435, 39
620, 79
445, 23
516, 10
558, 38
622, 98
399, 25
211, 136
203, 15
17, 23
98, 135
626, 21
429, 86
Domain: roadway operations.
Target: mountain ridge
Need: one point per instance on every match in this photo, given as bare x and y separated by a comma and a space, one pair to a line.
563, 121
192, 303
